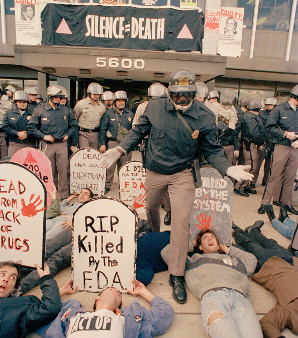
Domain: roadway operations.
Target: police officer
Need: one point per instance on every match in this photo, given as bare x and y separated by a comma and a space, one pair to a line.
282, 124
33, 92
108, 99
89, 112
213, 104
170, 150
227, 138
7, 100
111, 125
270, 104
253, 139
15, 124
54, 124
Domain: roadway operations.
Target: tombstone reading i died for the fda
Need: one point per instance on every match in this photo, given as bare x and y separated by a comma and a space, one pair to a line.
86, 173
22, 215
132, 177
213, 206
104, 245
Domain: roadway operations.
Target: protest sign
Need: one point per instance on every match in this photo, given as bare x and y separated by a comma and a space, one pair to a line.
104, 245
230, 31
22, 215
39, 164
132, 177
212, 21
213, 206
86, 173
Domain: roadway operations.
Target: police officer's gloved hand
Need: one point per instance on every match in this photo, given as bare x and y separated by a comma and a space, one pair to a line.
109, 157
238, 172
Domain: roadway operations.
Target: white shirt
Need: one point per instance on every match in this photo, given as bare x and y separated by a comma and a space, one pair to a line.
102, 323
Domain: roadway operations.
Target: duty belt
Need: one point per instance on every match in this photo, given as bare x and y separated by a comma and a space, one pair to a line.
88, 130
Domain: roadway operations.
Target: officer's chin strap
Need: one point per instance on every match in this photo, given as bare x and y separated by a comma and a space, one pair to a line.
183, 108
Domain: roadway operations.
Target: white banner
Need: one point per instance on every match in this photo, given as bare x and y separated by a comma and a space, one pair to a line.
230, 31
104, 245
22, 215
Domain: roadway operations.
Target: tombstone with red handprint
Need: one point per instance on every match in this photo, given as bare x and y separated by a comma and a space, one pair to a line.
213, 206
23, 214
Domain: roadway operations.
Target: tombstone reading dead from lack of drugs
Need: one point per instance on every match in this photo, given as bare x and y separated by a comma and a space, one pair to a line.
39, 164
213, 206
132, 177
86, 173
22, 215
104, 245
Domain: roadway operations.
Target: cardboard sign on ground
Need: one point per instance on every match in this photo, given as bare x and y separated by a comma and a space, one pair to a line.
22, 215
132, 177
104, 245
39, 164
213, 206
86, 173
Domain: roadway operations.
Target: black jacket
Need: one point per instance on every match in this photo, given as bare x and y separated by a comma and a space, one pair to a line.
170, 147
282, 118
24, 314
252, 129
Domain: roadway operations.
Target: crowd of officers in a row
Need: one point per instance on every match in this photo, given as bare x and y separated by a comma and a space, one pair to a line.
101, 121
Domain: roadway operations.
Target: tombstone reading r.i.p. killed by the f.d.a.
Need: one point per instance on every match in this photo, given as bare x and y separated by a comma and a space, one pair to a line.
104, 245
132, 177
86, 173
213, 206
22, 215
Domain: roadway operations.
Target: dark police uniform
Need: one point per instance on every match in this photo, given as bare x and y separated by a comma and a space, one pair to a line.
108, 131
170, 149
56, 122
285, 158
227, 138
14, 122
252, 138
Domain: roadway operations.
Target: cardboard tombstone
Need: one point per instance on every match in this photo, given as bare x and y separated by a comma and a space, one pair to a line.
132, 177
86, 173
213, 206
22, 215
39, 164
104, 245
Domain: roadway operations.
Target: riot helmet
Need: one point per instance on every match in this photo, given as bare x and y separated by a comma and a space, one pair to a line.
157, 90
294, 92
95, 88
20, 95
182, 80
254, 105
107, 96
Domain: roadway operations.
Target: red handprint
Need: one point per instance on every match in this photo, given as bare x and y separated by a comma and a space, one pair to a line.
30, 209
139, 202
204, 221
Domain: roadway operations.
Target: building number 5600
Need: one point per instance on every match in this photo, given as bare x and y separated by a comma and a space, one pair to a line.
123, 63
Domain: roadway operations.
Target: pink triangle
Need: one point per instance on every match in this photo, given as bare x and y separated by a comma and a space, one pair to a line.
185, 33
29, 158
63, 28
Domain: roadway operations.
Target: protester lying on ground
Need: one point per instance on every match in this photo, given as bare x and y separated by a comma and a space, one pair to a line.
275, 272
284, 225
133, 322
217, 275
21, 315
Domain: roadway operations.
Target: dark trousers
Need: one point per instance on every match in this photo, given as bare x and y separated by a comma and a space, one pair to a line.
261, 247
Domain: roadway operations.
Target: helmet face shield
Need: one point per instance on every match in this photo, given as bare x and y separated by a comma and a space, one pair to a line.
107, 96
271, 100
120, 95
201, 91
182, 80
21, 95
157, 90
95, 88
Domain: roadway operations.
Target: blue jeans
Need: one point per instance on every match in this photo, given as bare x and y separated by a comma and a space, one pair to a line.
286, 228
238, 319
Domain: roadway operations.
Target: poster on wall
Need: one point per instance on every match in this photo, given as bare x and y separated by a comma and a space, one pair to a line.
22, 215
230, 31
27, 21
104, 245
212, 206
132, 177
212, 21
188, 3
85, 171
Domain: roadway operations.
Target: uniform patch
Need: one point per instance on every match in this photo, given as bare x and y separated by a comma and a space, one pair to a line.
44, 119
195, 134
12, 118
113, 119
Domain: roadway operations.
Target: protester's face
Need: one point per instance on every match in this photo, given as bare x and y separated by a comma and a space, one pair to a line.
22, 105
112, 296
94, 97
30, 12
84, 196
209, 243
182, 99
120, 104
8, 279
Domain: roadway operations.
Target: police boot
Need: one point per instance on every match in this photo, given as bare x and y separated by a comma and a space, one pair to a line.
283, 213
270, 212
179, 291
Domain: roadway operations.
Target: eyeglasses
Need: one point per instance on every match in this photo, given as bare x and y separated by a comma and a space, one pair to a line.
185, 94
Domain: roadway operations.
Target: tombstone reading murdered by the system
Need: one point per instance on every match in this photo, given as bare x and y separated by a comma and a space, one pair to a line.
39, 164
104, 245
86, 173
213, 205
132, 177
22, 215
